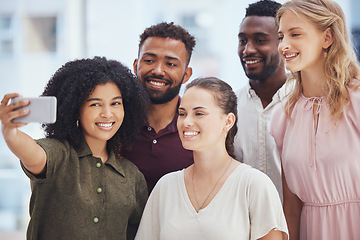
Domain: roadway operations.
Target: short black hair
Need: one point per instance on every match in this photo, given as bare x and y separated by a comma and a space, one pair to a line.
263, 8
170, 30
74, 82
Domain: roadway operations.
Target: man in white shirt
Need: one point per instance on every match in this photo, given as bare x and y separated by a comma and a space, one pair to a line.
262, 64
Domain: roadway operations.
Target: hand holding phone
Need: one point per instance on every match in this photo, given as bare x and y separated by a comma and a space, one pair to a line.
42, 110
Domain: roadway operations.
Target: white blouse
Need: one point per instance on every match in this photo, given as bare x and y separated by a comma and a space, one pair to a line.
246, 207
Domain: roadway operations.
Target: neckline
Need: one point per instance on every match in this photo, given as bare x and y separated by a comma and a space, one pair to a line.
205, 209
322, 98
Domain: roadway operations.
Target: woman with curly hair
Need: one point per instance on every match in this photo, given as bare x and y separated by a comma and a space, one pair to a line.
317, 128
81, 187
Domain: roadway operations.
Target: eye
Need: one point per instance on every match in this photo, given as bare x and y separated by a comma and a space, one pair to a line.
199, 114
281, 38
116, 104
242, 41
95, 105
295, 35
148, 60
182, 114
171, 64
261, 41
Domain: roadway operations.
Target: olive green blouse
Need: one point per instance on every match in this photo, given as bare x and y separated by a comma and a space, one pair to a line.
80, 197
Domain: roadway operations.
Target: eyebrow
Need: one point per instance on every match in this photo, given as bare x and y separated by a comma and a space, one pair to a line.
167, 57
291, 29
99, 99
195, 108
256, 34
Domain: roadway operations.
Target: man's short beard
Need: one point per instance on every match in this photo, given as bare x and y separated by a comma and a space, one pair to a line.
156, 97
265, 74
169, 95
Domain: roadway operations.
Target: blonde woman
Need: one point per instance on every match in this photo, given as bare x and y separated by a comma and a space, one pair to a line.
317, 129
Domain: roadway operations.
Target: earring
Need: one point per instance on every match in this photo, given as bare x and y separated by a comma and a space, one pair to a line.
325, 53
77, 123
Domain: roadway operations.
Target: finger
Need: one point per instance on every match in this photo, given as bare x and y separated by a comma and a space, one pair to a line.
19, 104
8, 117
7, 97
17, 113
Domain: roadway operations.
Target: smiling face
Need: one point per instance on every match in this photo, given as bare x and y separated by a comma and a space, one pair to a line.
102, 113
202, 124
257, 49
162, 68
301, 43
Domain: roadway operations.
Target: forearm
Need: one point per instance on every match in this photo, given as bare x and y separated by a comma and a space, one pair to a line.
292, 210
293, 221
22, 145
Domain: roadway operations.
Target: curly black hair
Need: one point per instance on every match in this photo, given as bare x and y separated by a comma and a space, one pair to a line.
263, 8
74, 82
225, 98
170, 30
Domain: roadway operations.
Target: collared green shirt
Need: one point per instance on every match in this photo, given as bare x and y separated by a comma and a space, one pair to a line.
80, 197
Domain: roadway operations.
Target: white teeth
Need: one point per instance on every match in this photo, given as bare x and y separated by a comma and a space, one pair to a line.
252, 61
290, 55
106, 125
190, 133
157, 83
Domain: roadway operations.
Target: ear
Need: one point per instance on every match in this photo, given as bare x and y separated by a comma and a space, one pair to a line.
229, 121
135, 66
187, 75
329, 38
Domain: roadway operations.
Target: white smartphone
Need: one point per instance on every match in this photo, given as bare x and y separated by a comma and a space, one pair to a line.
42, 110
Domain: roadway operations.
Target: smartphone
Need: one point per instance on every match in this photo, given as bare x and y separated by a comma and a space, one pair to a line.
42, 110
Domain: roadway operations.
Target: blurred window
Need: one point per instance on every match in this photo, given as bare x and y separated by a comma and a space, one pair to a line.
6, 36
40, 34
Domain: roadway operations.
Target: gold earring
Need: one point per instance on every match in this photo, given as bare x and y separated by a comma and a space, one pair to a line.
325, 53
77, 123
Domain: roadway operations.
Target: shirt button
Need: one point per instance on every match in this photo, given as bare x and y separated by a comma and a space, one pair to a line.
149, 129
98, 165
154, 141
96, 219
99, 190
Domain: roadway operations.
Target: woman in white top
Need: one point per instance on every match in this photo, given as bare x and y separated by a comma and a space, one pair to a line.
217, 197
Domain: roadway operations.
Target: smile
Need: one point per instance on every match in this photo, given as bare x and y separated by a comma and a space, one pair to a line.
292, 55
104, 125
190, 134
252, 61
160, 84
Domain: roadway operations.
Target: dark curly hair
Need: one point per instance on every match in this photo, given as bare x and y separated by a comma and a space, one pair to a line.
225, 98
170, 30
263, 8
74, 82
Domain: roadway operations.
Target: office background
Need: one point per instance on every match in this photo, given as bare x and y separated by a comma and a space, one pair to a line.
39, 36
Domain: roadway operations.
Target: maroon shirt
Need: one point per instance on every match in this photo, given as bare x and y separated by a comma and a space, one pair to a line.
156, 154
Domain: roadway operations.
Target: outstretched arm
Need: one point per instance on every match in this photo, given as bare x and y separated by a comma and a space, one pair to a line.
22, 145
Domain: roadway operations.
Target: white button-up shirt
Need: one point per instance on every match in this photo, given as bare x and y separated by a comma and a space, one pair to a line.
253, 143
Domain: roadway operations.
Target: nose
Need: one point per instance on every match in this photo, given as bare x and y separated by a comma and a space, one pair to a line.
105, 112
249, 48
159, 69
283, 46
188, 121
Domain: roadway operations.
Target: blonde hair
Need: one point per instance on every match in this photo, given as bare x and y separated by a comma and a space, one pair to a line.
340, 65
